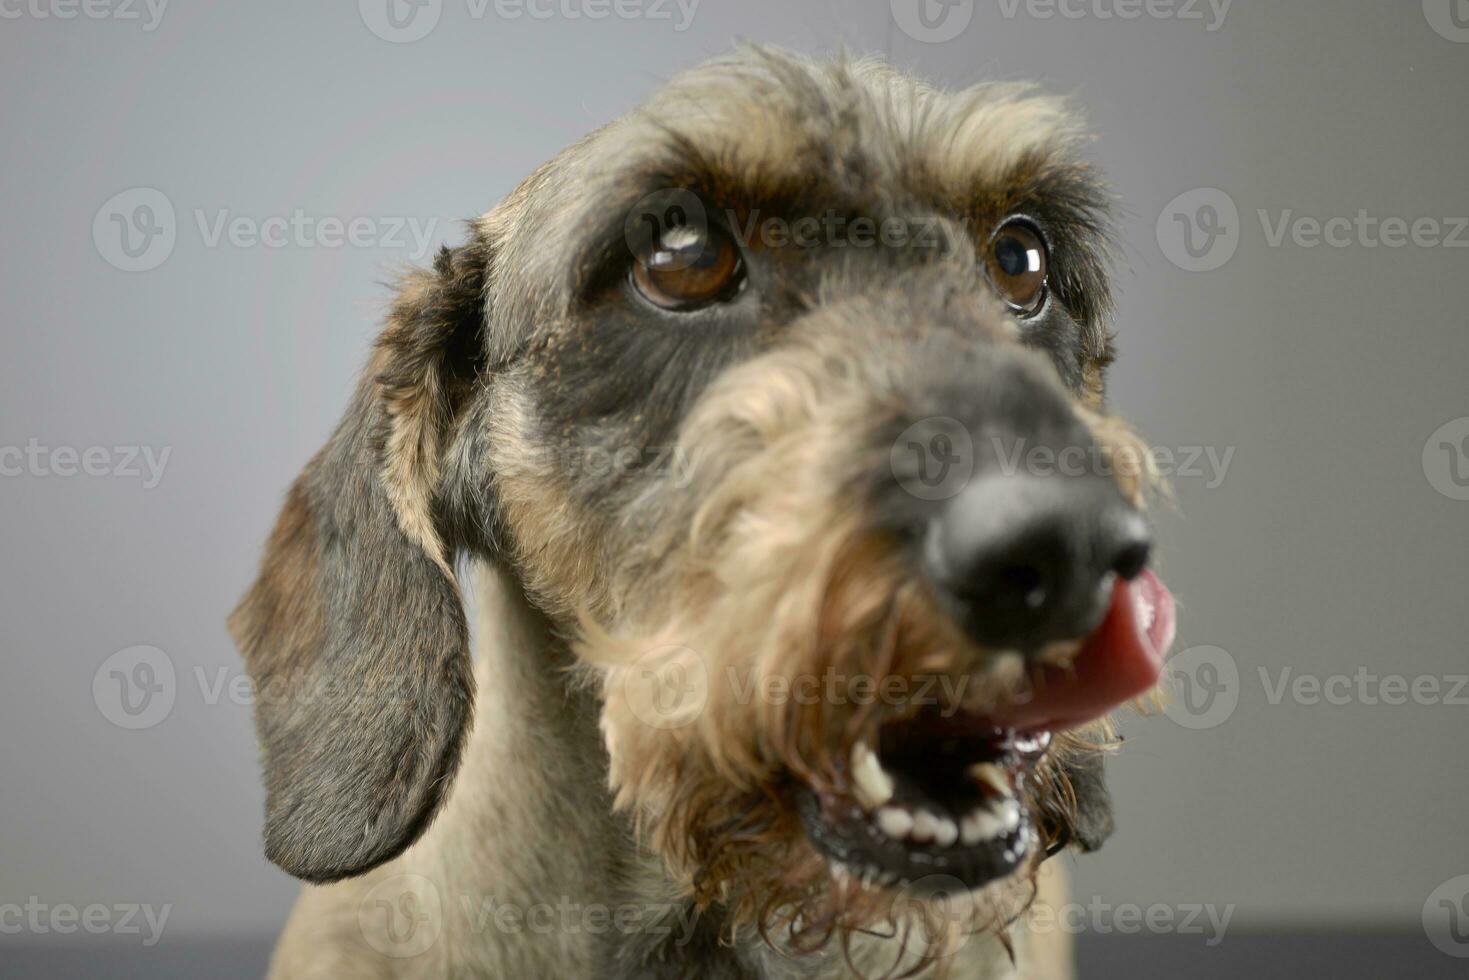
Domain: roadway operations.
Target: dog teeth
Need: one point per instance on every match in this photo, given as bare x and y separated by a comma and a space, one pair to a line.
870, 782
986, 823
1010, 814
925, 826
895, 822
981, 825
992, 776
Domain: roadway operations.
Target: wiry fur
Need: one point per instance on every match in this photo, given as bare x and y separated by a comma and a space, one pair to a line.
516, 357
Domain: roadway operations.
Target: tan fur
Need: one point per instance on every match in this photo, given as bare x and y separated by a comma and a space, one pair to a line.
617, 753
778, 581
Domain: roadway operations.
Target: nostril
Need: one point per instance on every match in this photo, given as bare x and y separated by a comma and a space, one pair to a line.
1132, 559
1023, 562
1028, 583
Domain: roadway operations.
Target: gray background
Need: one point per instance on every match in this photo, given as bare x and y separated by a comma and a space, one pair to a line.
1325, 548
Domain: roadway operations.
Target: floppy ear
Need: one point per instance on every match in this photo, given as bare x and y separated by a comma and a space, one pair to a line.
354, 633
1091, 821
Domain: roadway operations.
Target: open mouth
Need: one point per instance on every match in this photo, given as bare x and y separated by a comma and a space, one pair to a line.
936, 798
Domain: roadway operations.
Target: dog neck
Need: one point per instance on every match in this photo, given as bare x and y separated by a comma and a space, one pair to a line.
539, 876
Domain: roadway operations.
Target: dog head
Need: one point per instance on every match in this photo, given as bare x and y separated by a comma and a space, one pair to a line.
782, 397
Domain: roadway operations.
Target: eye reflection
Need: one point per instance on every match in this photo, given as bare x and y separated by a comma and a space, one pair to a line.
1017, 266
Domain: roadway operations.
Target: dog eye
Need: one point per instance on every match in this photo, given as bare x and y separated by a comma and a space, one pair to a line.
1016, 263
688, 267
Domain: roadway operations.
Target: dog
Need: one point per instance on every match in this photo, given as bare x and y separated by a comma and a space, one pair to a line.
792, 658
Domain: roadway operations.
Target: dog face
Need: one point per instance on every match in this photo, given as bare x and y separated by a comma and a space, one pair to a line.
700, 382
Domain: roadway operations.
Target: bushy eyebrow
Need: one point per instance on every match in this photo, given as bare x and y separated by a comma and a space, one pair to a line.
1062, 194
706, 175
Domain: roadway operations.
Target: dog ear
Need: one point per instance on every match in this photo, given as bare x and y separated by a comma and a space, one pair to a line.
1091, 820
354, 633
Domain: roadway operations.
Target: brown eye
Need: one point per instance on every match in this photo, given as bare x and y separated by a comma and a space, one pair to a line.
688, 267
1016, 263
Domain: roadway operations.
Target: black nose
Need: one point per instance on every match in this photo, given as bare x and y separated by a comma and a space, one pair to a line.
1029, 560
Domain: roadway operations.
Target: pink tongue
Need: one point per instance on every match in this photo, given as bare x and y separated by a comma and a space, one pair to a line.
1122, 659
